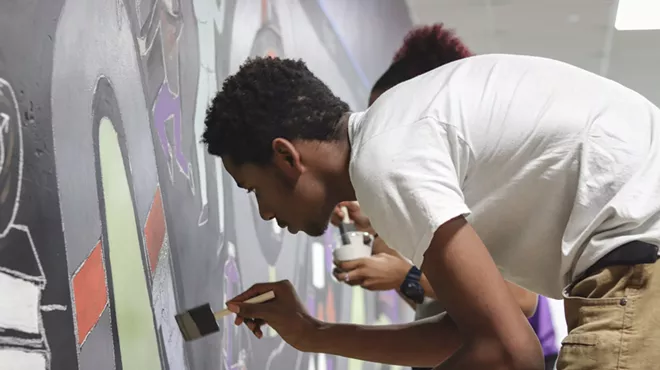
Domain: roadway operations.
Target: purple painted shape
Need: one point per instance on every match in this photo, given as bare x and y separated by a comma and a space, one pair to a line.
390, 300
232, 278
231, 271
169, 105
541, 322
311, 304
329, 363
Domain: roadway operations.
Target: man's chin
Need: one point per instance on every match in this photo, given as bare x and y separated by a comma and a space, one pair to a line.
315, 231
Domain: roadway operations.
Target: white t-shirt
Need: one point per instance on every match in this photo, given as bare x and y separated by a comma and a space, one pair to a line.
553, 166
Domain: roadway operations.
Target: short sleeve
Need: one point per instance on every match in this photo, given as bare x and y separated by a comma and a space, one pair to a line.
408, 181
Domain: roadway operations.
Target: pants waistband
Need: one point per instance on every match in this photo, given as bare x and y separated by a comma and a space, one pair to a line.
629, 254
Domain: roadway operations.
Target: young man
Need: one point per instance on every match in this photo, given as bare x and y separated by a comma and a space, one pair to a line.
490, 167
425, 48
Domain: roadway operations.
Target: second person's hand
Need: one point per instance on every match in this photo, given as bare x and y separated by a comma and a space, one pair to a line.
378, 272
360, 220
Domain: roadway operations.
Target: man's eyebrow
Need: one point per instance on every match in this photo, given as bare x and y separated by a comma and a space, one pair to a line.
239, 184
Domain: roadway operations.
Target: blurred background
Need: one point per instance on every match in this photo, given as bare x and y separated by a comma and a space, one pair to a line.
112, 216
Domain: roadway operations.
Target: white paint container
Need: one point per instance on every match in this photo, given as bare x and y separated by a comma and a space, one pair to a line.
359, 247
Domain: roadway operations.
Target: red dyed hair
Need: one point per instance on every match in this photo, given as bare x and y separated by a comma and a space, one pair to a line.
432, 44
424, 48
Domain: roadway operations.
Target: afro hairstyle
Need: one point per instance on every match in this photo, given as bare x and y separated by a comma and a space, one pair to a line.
424, 48
270, 98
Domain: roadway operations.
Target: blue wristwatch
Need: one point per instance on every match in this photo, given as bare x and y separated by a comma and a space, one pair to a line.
411, 287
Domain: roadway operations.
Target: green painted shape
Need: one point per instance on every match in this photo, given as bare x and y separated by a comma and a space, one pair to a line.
135, 324
358, 316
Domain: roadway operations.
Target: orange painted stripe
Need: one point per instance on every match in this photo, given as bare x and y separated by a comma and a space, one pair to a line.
90, 292
319, 312
331, 315
154, 230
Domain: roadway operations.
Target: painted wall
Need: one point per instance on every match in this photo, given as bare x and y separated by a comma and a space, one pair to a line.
113, 218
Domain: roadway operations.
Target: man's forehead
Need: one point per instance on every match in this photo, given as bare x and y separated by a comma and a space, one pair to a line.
234, 171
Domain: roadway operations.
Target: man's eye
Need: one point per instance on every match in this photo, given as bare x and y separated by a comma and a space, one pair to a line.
249, 190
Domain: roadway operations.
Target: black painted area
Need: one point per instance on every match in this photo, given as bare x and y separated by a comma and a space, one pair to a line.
26, 48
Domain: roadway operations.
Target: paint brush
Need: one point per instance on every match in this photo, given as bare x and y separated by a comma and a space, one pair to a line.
201, 321
345, 227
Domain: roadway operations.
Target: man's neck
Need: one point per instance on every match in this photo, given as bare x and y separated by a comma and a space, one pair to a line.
337, 174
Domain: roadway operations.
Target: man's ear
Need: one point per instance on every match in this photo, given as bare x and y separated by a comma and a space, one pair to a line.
286, 157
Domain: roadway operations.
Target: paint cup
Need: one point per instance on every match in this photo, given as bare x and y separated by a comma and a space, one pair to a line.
359, 247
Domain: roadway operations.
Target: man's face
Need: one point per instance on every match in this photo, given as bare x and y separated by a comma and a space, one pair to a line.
286, 191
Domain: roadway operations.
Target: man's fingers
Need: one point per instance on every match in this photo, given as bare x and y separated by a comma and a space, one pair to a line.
368, 284
351, 206
255, 326
253, 310
336, 217
352, 278
257, 330
254, 291
350, 265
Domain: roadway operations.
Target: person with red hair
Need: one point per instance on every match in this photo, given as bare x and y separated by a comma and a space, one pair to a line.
426, 48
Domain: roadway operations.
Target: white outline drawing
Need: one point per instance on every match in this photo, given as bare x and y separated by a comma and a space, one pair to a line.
210, 17
30, 337
156, 22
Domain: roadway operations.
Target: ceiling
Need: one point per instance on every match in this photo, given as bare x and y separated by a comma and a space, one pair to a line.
580, 32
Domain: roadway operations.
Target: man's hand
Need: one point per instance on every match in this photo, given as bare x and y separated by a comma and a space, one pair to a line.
378, 272
285, 313
360, 220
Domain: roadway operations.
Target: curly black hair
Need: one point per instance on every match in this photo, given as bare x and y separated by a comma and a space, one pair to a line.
424, 48
266, 99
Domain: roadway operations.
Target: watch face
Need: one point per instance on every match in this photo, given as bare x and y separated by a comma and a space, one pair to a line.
414, 291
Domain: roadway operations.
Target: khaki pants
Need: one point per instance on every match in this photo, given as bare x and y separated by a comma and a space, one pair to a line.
613, 319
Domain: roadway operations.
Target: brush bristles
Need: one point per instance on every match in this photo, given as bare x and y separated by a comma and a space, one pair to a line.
197, 322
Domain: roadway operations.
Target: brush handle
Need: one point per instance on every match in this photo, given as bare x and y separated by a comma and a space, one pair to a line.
258, 299
347, 219
345, 226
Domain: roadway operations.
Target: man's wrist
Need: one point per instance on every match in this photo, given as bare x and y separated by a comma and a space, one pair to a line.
404, 269
317, 337
411, 286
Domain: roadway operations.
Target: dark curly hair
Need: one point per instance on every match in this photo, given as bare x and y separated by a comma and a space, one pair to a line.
424, 48
266, 99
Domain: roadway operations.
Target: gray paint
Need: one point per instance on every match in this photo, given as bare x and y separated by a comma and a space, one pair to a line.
54, 53
26, 48
99, 351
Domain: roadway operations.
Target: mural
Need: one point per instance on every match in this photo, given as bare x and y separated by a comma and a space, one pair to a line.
112, 216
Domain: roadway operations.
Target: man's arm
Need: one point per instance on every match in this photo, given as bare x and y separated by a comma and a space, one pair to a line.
526, 300
423, 343
379, 246
495, 333
487, 328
